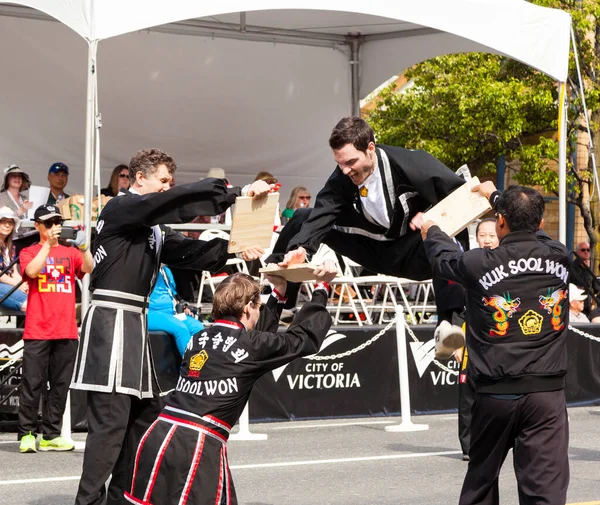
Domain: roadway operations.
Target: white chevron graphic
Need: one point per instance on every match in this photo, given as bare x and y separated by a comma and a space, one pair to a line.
423, 354
10, 352
331, 337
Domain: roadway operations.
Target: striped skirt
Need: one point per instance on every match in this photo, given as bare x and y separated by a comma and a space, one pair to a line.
182, 459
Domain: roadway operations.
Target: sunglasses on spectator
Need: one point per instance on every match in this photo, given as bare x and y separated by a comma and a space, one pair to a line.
124, 176
49, 223
7, 221
584, 250
304, 197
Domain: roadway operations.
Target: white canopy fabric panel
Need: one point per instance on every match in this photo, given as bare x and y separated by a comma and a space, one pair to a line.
210, 103
534, 35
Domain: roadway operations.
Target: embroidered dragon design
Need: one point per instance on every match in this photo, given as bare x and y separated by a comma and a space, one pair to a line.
505, 308
552, 303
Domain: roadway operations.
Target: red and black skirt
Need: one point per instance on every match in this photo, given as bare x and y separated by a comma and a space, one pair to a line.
182, 459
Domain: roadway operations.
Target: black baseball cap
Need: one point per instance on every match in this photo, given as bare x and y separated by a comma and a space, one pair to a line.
44, 212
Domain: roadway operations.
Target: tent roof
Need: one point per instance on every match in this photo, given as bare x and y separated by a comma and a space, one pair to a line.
535, 35
196, 88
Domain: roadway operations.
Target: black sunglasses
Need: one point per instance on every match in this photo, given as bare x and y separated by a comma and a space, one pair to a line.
49, 223
124, 176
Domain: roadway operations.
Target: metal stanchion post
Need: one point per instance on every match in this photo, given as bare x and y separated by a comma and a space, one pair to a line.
244, 432
65, 432
406, 423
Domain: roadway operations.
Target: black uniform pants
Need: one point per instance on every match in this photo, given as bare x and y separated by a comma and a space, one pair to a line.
116, 423
536, 427
466, 399
45, 361
403, 257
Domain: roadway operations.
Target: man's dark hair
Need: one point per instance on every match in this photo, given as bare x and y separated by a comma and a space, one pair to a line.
486, 220
522, 208
147, 162
352, 130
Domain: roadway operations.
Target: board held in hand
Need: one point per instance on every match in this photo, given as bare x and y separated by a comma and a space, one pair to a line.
301, 272
252, 222
459, 209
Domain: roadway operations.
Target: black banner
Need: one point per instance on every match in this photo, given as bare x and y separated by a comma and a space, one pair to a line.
364, 383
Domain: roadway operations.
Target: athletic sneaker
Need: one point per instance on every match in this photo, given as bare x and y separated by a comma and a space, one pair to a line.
56, 444
448, 338
28, 443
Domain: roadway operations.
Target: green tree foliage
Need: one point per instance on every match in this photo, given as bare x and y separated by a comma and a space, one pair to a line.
473, 108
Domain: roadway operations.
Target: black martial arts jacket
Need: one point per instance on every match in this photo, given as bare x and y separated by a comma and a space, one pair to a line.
413, 181
182, 457
131, 243
517, 309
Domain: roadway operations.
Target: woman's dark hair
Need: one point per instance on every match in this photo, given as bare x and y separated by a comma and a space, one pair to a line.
113, 184
24, 184
233, 294
352, 130
522, 208
6, 248
486, 220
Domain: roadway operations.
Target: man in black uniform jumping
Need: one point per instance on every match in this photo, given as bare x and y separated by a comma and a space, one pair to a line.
114, 363
371, 209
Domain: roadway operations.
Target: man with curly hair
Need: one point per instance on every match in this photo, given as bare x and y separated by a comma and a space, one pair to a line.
114, 363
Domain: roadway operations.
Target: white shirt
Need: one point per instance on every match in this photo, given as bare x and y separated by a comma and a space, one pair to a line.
374, 203
578, 318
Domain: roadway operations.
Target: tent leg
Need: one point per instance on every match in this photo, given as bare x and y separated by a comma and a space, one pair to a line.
562, 163
90, 141
354, 71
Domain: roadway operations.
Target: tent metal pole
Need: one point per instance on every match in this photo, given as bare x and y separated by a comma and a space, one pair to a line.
562, 163
90, 128
354, 74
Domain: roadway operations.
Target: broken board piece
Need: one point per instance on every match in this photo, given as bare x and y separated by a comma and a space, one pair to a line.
459, 209
294, 273
252, 222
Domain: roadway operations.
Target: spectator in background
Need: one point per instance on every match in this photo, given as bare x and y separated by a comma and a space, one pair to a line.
583, 251
577, 298
58, 177
486, 238
50, 338
268, 177
119, 179
299, 198
12, 194
167, 313
485, 233
17, 301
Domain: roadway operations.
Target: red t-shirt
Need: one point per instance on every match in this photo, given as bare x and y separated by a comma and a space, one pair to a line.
51, 299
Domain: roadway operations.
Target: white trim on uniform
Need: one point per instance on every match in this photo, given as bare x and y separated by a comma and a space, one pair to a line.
84, 349
352, 230
119, 306
403, 200
119, 294
389, 181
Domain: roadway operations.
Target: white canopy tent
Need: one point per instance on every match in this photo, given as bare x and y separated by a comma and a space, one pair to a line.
182, 75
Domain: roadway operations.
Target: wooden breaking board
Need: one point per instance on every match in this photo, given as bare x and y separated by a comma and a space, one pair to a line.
294, 273
459, 209
252, 222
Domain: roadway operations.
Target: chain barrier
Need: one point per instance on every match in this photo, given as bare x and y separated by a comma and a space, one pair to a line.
373, 339
356, 349
584, 334
11, 362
